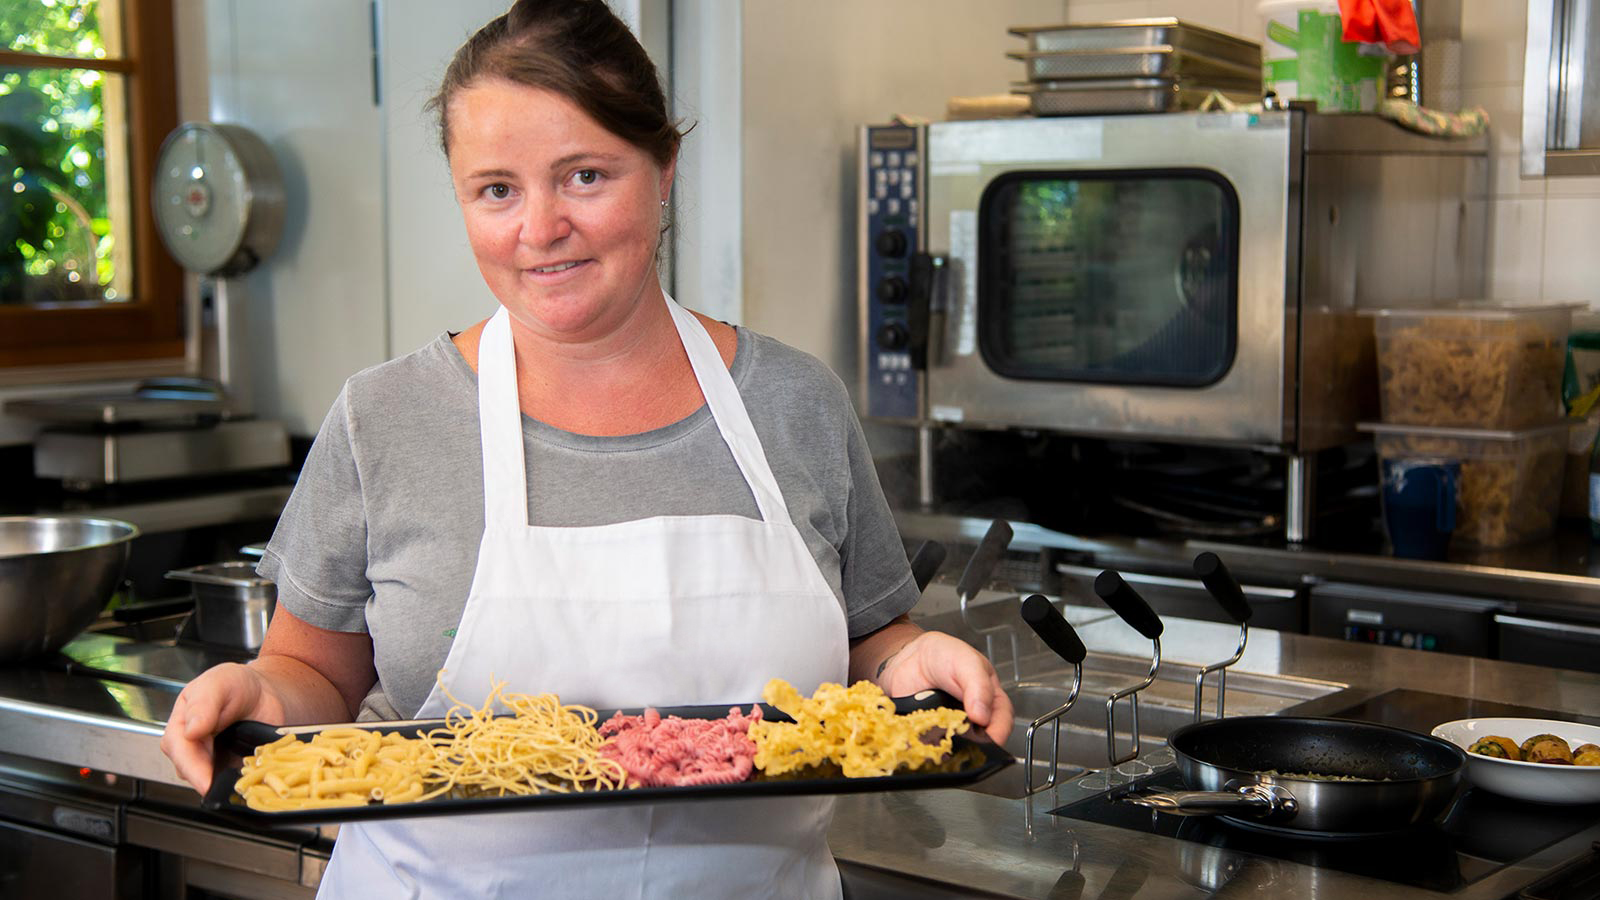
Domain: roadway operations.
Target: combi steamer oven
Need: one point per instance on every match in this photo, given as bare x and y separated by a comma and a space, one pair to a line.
1190, 278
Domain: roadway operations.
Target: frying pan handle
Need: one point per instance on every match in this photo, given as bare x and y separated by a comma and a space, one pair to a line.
932, 698
1258, 801
1223, 586
1126, 602
1053, 628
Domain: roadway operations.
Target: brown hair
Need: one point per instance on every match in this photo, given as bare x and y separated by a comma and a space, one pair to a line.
578, 49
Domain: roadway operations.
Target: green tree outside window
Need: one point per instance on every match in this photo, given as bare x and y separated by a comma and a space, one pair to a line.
62, 233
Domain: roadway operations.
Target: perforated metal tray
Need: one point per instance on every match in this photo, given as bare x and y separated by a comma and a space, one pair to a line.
1154, 32
1131, 95
1163, 61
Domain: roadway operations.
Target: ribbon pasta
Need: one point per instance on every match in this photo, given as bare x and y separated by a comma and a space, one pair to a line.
855, 727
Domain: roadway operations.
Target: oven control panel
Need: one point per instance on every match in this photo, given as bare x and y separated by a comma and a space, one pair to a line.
891, 231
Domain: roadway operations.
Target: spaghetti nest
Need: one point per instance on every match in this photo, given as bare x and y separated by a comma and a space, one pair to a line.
544, 745
854, 727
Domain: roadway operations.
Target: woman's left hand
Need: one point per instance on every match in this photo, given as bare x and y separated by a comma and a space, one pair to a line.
933, 659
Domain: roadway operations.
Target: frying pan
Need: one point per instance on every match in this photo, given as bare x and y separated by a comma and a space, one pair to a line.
1407, 779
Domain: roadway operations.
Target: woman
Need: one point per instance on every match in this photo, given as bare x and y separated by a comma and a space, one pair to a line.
665, 510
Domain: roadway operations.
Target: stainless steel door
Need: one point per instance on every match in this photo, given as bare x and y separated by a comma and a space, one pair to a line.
1546, 642
1255, 154
36, 864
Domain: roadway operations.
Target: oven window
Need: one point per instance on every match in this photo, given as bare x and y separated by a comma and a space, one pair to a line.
1128, 277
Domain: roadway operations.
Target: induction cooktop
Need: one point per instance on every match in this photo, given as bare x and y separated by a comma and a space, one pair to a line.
1479, 833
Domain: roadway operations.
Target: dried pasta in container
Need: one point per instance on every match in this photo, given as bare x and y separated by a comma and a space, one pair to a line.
1510, 486
1495, 368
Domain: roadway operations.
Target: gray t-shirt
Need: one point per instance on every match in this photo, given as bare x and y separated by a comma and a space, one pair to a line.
381, 533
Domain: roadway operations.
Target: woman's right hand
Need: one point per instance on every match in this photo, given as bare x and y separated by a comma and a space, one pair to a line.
302, 674
216, 699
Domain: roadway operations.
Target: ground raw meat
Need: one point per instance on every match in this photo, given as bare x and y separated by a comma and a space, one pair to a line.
659, 752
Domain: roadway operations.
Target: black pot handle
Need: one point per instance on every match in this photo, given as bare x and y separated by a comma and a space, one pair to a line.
1053, 628
1126, 602
153, 609
1223, 586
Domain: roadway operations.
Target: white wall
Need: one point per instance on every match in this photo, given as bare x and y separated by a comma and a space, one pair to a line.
433, 283
299, 73
1541, 231
374, 262
813, 73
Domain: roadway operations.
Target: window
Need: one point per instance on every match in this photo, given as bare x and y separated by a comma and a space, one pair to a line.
87, 93
1115, 277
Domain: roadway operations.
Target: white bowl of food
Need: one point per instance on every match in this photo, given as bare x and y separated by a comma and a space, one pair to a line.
1541, 760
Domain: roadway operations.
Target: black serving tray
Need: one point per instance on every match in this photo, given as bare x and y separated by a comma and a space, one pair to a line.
973, 758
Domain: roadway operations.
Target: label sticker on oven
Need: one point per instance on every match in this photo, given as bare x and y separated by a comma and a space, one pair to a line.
946, 413
963, 272
958, 148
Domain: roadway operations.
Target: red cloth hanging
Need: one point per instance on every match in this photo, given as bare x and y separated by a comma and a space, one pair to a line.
1391, 23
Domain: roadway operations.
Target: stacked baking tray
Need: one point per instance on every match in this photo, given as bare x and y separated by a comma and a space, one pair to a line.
1134, 66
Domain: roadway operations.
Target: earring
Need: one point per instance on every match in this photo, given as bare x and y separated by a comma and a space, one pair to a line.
663, 204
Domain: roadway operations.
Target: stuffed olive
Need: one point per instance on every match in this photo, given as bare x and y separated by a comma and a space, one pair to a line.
1528, 744
1551, 750
1496, 746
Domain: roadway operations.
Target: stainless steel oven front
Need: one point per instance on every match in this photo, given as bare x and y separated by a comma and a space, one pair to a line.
1192, 277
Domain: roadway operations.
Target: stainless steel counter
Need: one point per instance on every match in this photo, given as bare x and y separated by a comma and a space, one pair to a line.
89, 722
1560, 575
973, 843
1016, 848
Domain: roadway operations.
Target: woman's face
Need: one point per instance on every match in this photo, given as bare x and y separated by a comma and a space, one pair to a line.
563, 216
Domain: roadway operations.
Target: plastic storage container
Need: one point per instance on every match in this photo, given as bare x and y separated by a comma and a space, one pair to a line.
1476, 367
1510, 486
1306, 58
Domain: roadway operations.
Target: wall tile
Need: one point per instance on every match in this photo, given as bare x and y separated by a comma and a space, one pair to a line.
1492, 34
1574, 186
1222, 15
1109, 10
1571, 265
1516, 249
1504, 104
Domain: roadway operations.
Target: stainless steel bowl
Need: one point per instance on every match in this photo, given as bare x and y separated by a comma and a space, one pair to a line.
56, 574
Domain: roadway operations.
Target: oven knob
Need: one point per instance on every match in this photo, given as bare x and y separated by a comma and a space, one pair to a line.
891, 242
893, 336
892, 289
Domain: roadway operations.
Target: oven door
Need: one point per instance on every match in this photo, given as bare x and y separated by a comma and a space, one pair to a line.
1120, 276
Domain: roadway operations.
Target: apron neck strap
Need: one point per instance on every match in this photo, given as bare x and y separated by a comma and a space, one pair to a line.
505, 484
505, 471
727, 409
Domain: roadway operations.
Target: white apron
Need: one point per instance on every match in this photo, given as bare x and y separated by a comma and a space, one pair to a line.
664, 611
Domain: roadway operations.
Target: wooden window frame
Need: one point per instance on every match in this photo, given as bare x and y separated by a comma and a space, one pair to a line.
149, 326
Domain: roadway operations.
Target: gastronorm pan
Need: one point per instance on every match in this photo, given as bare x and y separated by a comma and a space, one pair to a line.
232, 604
1163, 61
1140, 33
973, 758
1131, 95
